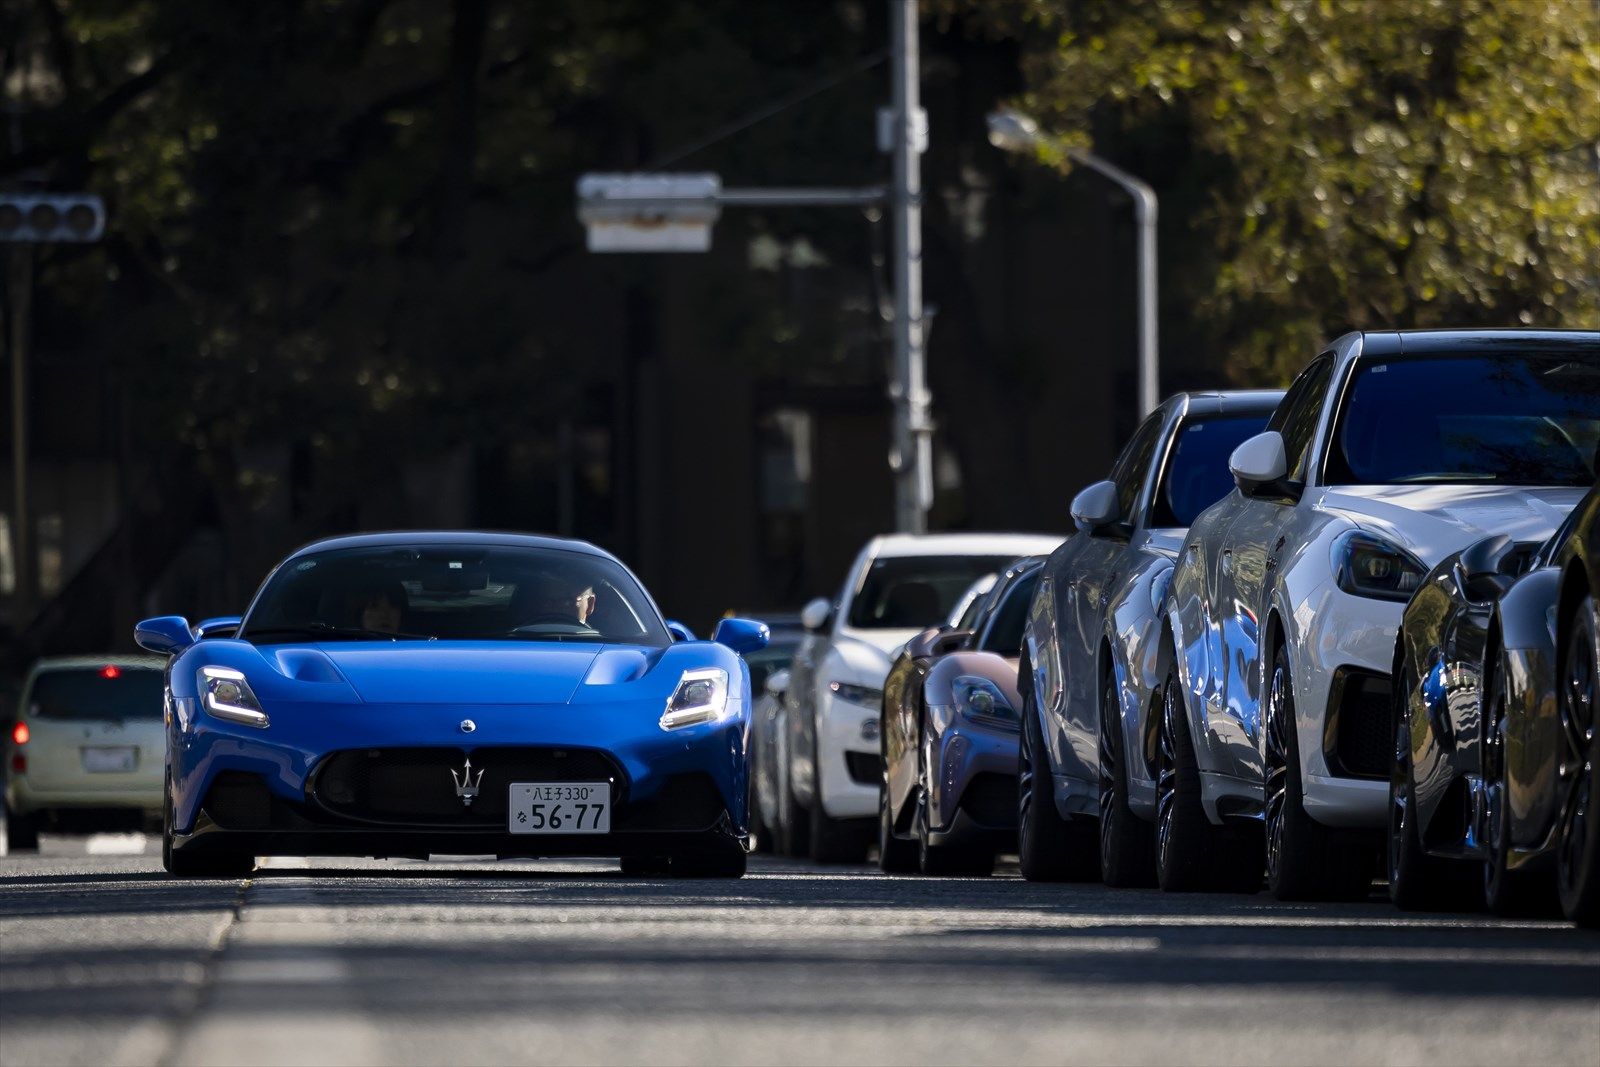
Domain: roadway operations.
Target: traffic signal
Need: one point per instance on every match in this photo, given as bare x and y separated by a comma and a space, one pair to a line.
43, 218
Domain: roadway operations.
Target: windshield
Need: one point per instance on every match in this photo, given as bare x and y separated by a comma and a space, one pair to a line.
453, 592
1197, 474
1522, 419
101, 694
1005, 634
915, 592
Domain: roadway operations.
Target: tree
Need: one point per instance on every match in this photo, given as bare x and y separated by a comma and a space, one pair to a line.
1358, 164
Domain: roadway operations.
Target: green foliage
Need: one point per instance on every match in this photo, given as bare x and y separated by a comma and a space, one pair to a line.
1366, 164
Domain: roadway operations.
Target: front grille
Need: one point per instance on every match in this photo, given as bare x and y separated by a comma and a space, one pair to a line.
1357, 742
866, 768
418, 785
991, 800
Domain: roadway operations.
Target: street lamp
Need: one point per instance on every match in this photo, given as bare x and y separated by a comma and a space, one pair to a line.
1012, 131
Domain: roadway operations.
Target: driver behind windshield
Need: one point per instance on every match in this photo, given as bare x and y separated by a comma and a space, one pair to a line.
551, 597
377, 606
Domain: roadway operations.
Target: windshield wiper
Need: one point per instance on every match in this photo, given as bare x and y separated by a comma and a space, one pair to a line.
323, 630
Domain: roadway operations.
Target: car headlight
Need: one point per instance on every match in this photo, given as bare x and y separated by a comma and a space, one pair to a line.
225, 694
850, 693
701, 696
980, 700
1372, 567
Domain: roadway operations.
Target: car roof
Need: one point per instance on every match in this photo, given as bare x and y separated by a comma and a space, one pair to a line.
962, 544
1428, 342
1230, 401
480, 538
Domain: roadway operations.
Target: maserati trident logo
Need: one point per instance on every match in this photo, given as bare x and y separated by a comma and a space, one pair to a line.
466, 726
467, 784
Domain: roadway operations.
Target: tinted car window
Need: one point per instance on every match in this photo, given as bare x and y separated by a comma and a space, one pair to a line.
1131, 466
1297, 416
453, 592
1005, 635
915, 592
101, 694
1197, 475
1510, 419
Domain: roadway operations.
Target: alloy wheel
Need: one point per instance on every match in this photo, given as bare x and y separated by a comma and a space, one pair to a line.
1399, 793
1277, 768
1167, 771
1025, 781
1575, 768
1108, 792
1492, 761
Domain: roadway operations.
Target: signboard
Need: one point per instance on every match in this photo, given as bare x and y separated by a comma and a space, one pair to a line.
649, 212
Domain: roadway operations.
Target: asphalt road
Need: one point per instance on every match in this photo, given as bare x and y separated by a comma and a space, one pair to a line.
105, 961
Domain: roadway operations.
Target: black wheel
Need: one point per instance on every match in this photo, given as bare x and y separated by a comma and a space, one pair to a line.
1127, 842
761, 839
21, 832
185, 864
1578, 833
1507, 890
1305, 860
1184, 836
1417, 881
729, 861
895, 855
949, 861
1049, 848
836, 840
646, 866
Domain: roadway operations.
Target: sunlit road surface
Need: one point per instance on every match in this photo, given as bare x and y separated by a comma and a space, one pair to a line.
104, 960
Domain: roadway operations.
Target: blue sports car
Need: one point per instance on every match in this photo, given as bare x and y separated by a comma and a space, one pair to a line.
404, 694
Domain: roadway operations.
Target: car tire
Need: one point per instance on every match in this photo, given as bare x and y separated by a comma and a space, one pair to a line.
1305, 860
181, 863
1578, 831
1185, 839
794, 835
1049, 847
834, 840
1418, 881
22, 832
1127, 842
895, 854
726, 862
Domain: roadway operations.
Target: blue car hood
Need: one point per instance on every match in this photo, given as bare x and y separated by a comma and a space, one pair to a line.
467, 672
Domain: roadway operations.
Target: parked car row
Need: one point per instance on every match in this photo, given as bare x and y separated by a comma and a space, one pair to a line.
1288, 626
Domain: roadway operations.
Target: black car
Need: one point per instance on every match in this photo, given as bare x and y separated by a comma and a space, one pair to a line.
1492, 780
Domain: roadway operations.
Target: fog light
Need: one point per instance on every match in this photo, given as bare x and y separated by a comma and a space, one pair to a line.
869, 729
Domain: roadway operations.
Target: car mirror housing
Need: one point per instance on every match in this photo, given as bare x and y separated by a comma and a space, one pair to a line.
951, 641
1095, 507
1260, 467
777, 682
742, 635
165, 635
679, 631
814, 616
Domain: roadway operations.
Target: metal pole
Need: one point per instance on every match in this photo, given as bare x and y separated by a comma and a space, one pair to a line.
1144, 213
20, 292
910, 457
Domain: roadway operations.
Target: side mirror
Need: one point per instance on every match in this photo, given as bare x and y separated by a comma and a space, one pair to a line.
221, 626
165, 635
1096, 507
1260, 467
814, 616
679, 631
744, 636
951, 641
777, 683
1485, 567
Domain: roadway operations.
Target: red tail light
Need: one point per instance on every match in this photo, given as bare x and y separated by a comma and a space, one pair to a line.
19, 733
111, 670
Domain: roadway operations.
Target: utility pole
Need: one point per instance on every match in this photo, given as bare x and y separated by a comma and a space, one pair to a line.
910, 457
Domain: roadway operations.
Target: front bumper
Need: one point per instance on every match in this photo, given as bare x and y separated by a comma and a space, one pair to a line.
1346, 637
973, 788
23, 798
840, 743
270, 790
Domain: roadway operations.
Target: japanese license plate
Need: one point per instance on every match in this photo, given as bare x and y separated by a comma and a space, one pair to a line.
560, 808
109, 759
